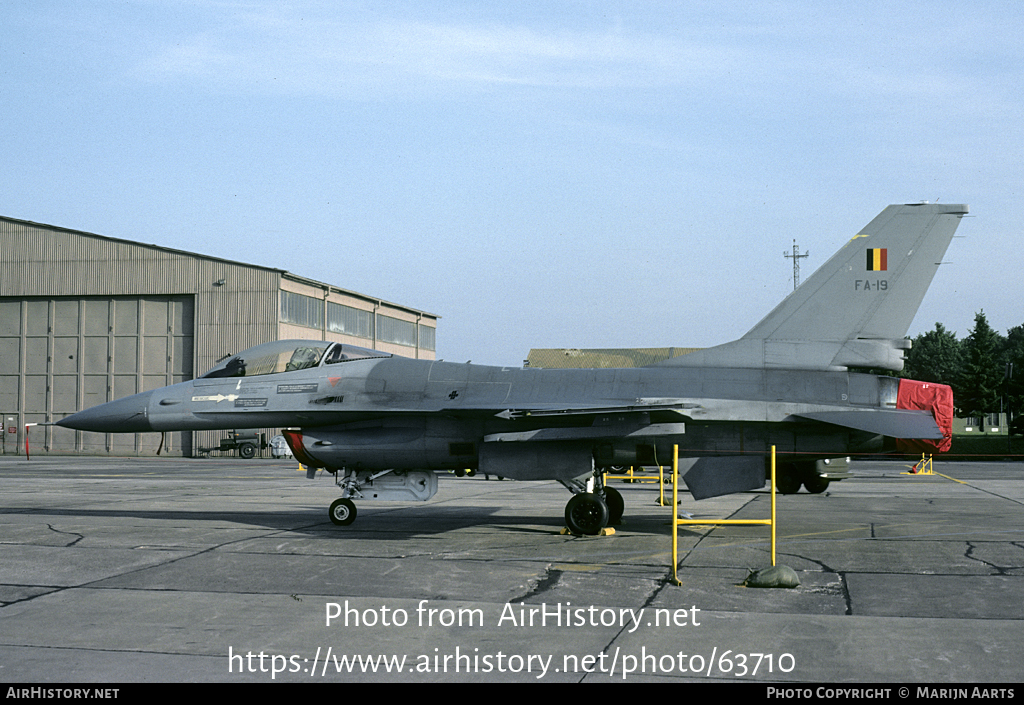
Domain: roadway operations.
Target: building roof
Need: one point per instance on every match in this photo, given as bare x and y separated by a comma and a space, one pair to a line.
284, 273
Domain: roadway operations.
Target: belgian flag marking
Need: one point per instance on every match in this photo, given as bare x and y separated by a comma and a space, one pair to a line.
877, 259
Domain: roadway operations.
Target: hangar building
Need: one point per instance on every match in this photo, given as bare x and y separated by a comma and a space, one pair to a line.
86, 319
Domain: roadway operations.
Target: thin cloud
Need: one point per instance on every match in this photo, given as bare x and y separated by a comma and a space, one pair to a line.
330, 55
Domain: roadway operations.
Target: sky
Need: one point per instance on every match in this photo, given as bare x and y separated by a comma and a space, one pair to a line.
562, 173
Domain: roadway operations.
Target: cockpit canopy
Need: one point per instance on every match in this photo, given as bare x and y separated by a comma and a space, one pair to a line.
287, 356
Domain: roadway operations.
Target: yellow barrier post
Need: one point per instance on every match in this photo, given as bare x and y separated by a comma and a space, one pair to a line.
675, 515
661, 485
773, 506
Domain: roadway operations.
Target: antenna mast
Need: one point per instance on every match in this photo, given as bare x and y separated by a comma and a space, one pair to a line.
796, 256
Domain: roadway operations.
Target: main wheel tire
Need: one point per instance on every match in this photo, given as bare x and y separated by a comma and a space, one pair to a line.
616, 505
342, 512
787, 482
815, 484
586, 514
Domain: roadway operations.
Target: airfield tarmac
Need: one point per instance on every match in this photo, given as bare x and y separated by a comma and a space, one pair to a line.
180, 570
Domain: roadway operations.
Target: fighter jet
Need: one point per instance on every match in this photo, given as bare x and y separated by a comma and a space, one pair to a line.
384, 424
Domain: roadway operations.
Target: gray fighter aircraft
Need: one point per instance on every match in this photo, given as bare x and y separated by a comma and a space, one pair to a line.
383, 424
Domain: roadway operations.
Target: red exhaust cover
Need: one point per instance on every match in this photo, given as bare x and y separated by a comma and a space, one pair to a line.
927, 396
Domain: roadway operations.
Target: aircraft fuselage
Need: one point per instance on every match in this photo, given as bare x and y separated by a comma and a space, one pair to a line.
402, 413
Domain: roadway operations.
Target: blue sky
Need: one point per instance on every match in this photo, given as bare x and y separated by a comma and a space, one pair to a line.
540, 174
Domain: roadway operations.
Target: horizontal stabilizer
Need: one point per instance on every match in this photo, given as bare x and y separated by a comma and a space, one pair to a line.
714, 477
894, 423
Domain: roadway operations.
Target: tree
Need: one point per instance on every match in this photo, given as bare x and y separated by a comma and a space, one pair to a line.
1013, 354
982, 371
936, 356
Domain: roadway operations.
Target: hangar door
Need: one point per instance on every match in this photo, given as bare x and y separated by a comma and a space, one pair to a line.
61, 355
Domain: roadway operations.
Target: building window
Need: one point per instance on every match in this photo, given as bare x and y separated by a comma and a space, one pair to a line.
350, 321
302, 310
427, 336
392, 330
308, 311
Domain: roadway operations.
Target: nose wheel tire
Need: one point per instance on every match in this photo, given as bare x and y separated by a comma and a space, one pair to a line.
586, 514
342, 512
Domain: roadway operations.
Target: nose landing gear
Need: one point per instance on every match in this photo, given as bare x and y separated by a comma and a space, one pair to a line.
342, 512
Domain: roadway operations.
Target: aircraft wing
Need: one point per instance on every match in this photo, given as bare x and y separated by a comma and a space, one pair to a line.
588, 433
632, 421
641, 406
894, 423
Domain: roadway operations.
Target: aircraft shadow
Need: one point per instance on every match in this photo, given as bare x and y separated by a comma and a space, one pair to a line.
379, 521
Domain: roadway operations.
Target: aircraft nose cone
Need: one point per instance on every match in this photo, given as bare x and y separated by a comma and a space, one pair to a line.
128, 415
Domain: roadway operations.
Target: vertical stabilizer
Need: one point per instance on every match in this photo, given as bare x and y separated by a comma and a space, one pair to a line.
855, 310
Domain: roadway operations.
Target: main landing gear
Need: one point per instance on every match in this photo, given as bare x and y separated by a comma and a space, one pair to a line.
593, 506
789, 477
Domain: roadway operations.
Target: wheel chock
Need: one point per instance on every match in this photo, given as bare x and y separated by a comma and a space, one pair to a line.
606, 531
778, 576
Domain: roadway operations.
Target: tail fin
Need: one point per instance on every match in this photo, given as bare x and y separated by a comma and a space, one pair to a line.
855, 310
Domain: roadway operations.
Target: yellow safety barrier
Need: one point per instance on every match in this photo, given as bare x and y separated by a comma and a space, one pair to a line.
677, 522
643, 479
630, 477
